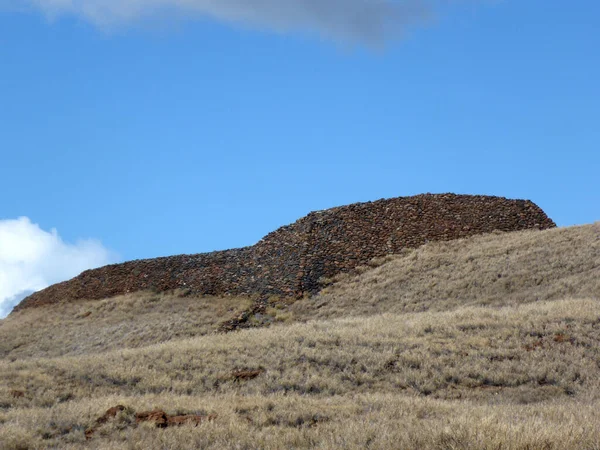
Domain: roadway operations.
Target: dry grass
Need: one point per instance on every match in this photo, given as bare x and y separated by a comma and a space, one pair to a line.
493, 361
437, 353
493, 269
486, 270
129, 321
372, 421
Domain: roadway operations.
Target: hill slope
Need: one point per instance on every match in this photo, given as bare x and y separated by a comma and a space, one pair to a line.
493, 269
480, 378
431, 349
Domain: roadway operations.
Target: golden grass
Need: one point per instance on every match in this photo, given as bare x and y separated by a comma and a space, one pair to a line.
128, 321
372, 421
431, 350
494, 269
485, 270
494, 361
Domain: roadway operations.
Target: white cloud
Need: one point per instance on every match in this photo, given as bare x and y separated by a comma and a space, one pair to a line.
32, 259
370, 21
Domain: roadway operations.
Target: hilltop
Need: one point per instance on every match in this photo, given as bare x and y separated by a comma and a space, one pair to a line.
481, 343
292, 260
484, 341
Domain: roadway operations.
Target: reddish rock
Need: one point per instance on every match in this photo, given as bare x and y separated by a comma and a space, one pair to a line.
244, 375
158, 416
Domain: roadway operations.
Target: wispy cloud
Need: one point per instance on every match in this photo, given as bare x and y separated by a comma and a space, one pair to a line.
32, 259
367, 21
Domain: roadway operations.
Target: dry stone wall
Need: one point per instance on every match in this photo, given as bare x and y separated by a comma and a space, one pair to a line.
291, 260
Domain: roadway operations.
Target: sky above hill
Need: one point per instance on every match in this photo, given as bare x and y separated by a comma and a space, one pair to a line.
133, 129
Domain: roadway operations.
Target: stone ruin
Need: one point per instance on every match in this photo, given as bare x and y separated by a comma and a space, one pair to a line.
292, 260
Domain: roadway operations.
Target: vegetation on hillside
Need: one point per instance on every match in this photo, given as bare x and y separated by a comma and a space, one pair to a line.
493, 270
437, 353
517, 375
128, 321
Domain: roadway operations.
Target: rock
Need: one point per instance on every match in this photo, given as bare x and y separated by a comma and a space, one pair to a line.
158, 416
292, 259
245, 375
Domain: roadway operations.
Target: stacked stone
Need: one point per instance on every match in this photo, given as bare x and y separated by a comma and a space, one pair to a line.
291, 260
342, 238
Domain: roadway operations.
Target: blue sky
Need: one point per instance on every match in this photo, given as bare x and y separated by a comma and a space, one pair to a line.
196, 130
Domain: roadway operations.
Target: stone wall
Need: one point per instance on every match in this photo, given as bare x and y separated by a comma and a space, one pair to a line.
291, 260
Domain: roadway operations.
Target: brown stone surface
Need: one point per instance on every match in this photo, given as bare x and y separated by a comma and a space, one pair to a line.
244, 375
291, 260
159, 417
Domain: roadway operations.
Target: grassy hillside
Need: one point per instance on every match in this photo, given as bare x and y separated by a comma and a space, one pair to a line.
475, 377
493, 270
431, 349
490, 270
130, 321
